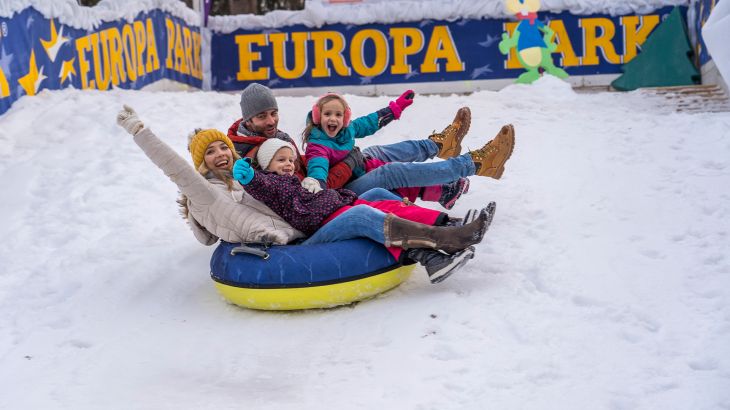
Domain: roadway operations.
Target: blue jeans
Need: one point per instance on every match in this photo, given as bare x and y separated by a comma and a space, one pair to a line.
414, 174
360, 221
379, 194
406, 151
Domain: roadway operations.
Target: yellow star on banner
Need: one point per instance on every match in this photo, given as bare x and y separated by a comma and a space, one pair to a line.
67, 70
4, 87
54, 44
31, 81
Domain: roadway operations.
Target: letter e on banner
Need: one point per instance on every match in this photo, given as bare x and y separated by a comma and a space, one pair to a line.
246, 57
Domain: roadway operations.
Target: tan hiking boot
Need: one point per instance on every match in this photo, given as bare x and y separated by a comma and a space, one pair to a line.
489, 160
449, 140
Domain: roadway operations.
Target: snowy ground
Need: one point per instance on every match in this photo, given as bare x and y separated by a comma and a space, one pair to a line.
604, 282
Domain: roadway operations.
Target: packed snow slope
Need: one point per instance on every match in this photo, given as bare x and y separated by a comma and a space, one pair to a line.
603, 283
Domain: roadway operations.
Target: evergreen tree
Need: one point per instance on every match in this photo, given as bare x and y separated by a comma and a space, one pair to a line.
665, 59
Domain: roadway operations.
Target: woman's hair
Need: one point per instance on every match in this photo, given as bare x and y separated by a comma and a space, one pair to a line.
319, 104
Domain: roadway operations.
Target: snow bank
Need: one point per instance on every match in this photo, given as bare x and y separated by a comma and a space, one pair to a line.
68, 12
715, 33
317, 13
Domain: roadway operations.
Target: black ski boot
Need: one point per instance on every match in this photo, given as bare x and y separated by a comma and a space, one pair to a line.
439, 265
470, 216
489, 211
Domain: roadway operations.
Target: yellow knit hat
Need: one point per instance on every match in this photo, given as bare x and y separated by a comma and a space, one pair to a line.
199, 142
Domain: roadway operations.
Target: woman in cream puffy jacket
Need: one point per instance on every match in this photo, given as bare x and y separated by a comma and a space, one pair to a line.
212, 198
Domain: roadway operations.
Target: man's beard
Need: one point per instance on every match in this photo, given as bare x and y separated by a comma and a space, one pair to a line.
262, 130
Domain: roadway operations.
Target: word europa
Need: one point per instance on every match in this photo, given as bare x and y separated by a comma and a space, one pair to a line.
597, 35
332, 52
131, 52
329, 48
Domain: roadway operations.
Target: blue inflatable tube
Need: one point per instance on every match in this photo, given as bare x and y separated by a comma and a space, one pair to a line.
306, 276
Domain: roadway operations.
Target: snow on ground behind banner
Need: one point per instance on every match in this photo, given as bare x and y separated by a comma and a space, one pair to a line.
317, 13
602, 283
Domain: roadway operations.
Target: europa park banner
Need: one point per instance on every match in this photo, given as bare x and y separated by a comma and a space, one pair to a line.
38, 53
426, 51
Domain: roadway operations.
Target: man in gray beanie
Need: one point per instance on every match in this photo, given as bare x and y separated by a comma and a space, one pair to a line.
260, 119
258, 99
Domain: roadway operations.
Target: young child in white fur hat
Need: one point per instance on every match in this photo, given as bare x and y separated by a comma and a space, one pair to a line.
271, 157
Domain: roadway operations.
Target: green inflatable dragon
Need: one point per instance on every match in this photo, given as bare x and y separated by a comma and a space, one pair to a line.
532, 40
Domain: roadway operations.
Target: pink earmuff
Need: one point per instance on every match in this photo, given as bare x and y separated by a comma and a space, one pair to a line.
317, 116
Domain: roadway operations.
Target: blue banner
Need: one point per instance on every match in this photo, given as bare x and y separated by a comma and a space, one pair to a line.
427, 51
37, 53
703, 8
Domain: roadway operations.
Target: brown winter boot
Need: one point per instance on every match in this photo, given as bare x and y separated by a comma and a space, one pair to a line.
449, 140
406, 234
490, 159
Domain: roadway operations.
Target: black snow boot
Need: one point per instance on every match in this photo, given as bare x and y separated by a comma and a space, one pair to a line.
440, 266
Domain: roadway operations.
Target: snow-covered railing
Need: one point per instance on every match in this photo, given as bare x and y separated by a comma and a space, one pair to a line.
318, 13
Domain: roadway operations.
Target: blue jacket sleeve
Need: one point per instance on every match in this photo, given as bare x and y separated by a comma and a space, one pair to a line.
318, 168
363, 126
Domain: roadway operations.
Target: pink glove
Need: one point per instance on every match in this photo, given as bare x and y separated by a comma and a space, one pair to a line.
401, 103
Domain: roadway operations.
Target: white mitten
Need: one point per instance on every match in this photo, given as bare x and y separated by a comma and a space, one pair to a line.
129, 120
311, 185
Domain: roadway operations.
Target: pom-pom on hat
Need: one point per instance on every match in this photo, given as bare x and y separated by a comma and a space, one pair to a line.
198, 143
256, 98
268, 149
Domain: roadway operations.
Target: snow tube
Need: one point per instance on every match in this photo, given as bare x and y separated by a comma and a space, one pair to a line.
306, 276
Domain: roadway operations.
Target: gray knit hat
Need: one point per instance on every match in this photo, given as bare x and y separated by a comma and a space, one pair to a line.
256, 98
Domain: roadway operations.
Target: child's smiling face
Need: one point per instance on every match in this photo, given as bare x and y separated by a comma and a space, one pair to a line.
283, 162
333, 116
